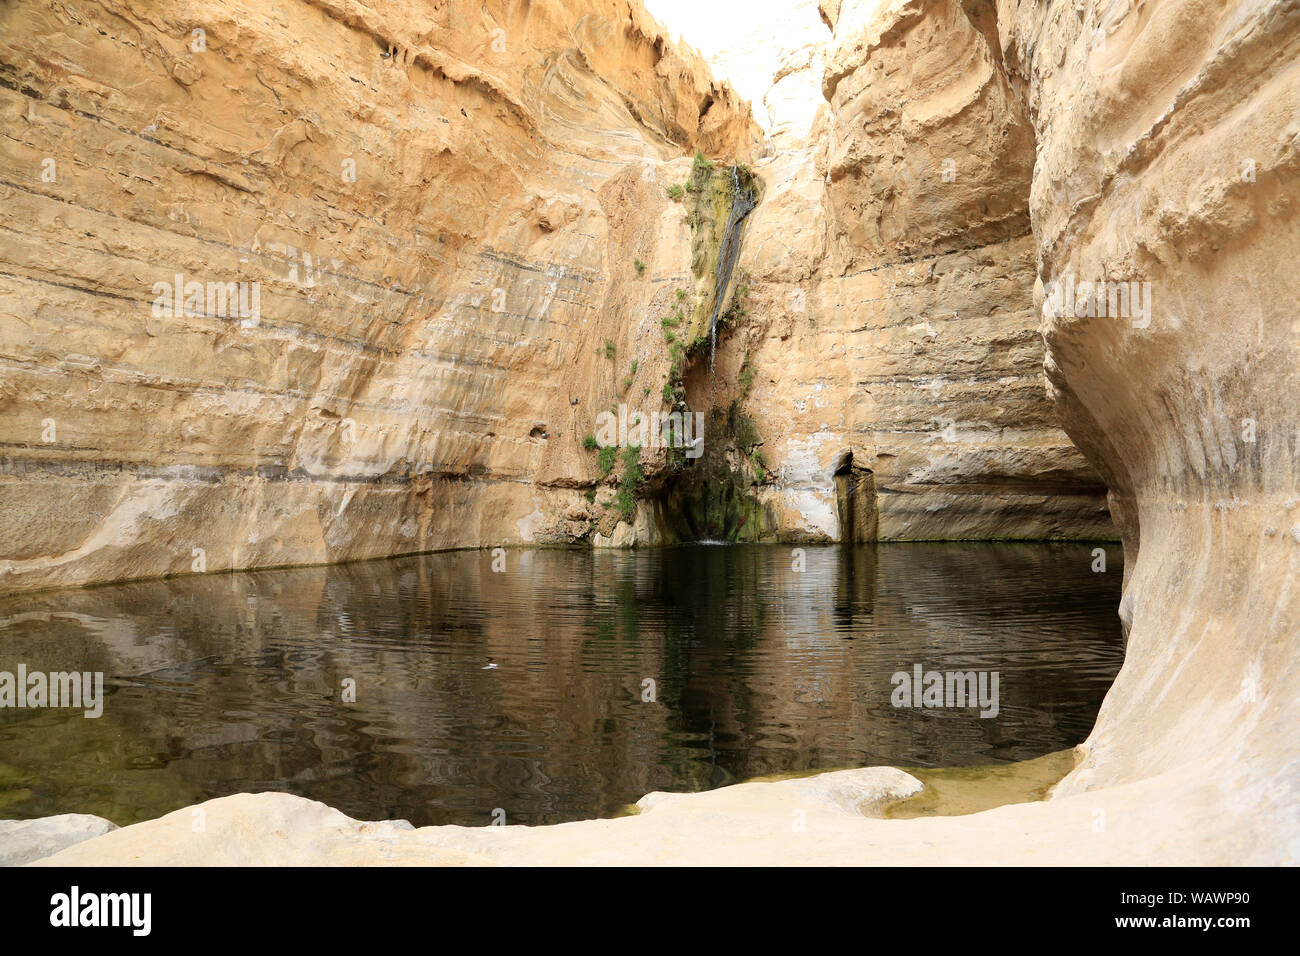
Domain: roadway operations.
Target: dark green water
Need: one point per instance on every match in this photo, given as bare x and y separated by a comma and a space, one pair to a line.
226, 683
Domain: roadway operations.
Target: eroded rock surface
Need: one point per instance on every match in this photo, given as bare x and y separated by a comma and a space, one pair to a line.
893, 337
829, 819
442, 208
457, 248
1169, 156
23, 841
1124, 142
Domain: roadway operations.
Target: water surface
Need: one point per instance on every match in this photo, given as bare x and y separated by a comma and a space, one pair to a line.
218, 684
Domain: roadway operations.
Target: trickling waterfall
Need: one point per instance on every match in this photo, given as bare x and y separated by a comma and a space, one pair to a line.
743, 202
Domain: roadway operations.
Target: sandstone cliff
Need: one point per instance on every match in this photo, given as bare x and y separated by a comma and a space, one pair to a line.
1163, 205
1168, 155
436, 211
1144, 144
451, 231
894, 344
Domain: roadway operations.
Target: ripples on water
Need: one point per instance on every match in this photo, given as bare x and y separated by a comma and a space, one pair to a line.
226, 683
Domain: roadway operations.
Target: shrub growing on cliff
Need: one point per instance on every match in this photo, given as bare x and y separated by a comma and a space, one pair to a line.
632, 473
589, 442
640, 267
610, 349
675, 192
701, 165
605, 459
630, 482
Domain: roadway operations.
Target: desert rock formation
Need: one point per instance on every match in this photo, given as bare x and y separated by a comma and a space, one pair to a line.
894, 336
441, 209
1152, 144
456, 249
1168, 154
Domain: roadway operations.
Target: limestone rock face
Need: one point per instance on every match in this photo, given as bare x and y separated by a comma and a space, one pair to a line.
292, 292
1168, 138
893, 336
774, 61
22, 841
436, 213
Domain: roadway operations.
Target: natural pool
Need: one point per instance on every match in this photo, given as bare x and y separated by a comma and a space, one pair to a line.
235, 682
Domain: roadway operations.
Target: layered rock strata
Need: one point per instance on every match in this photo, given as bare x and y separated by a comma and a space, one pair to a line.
893, 342
434, 219
1169, 162
287, 289
1159, 145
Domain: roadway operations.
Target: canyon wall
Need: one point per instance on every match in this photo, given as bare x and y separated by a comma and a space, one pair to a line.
1169, 156
893, 336
440, 209
451, 227
1163, 197
1111, 190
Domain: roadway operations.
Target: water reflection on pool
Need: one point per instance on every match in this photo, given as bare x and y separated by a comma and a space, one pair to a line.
225, 683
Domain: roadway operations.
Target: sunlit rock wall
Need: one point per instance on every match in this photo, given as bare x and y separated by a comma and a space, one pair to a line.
440, 206
893, 327
456, 249
1169, 155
